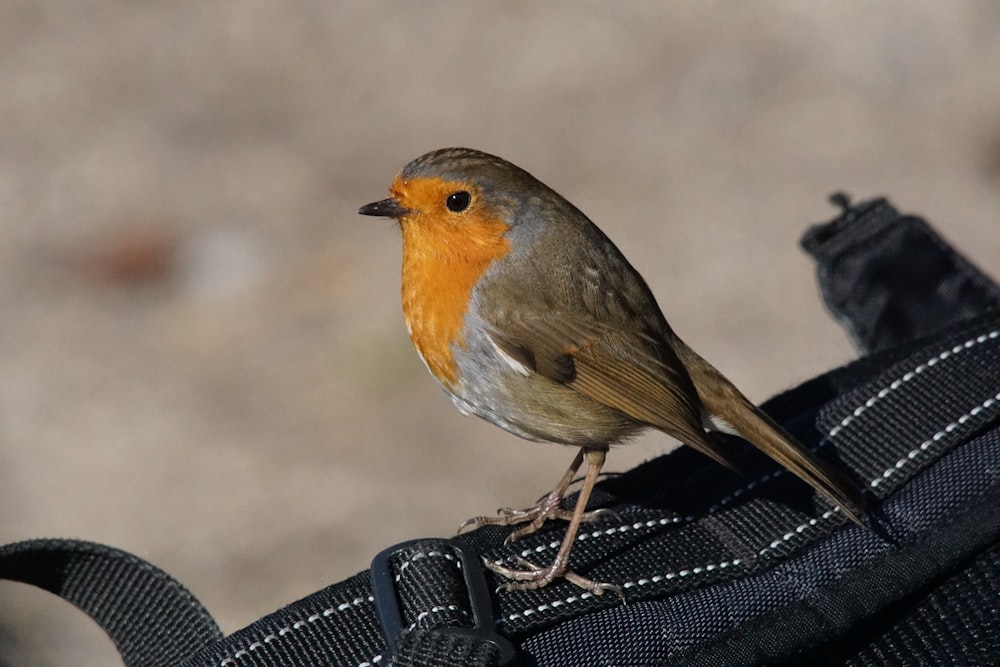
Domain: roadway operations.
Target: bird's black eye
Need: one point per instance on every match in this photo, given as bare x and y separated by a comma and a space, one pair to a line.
458, 201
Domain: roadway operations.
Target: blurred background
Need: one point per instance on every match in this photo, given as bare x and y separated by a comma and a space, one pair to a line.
202, 355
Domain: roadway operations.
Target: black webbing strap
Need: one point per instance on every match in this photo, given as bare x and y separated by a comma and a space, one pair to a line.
954, 622
720, 569
428, 596
889, 278
452, 634
152, 619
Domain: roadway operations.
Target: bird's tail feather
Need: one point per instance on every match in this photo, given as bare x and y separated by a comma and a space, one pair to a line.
730, 411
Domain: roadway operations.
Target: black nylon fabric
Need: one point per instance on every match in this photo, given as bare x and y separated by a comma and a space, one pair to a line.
152, 619
722, 569
889, 279
435, 649
339, 625
956, 622
952, 620
334, 626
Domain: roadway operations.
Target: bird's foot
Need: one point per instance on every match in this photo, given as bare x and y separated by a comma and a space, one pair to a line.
528, 576
548, 507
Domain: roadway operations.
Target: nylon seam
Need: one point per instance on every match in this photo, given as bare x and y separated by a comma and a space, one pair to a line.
915, 453
909, 375
330, 611
646, 581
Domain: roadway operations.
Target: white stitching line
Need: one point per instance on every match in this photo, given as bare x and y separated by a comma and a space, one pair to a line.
787, 537
297, 625
646, 581
913, 454
889, 472
680, 574
342, 607
909, 375
420, 555
926, 444
653, 523
698, 569
798, 530
435, 610
613, 530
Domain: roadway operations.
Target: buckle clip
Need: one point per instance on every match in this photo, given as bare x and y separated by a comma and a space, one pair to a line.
390, 615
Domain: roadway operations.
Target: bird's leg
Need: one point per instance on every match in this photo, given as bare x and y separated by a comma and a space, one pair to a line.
531, 575
548, 507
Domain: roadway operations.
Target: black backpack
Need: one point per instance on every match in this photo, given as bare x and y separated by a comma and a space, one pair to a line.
716, 568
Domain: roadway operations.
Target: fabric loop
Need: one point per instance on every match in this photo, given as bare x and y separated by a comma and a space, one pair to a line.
152, 619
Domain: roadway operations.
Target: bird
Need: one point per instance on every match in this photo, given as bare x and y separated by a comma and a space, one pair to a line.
531, 318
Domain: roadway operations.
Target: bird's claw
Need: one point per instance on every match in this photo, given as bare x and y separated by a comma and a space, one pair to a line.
528, 575
535, 517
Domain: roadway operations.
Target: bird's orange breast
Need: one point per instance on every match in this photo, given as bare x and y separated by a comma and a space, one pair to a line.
443, 258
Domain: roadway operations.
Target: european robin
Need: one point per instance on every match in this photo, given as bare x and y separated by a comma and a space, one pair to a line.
531, 318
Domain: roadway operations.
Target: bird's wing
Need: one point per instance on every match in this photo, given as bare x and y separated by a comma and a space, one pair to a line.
630, 371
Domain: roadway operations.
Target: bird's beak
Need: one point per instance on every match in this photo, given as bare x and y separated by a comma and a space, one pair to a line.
387, 208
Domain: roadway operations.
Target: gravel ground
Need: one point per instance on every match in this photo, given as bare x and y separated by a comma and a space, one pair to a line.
202, 357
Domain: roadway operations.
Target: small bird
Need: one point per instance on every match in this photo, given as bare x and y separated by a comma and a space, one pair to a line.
531, 318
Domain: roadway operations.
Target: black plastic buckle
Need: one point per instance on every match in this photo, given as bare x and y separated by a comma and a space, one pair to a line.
480, 601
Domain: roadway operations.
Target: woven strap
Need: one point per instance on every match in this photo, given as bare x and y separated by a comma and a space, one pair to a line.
152, 619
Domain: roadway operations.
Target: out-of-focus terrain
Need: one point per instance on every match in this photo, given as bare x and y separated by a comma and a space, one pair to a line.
202, 356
